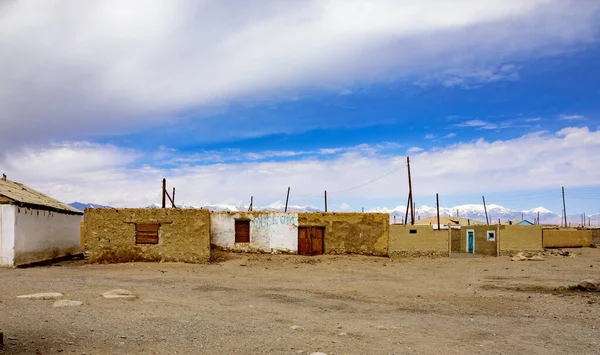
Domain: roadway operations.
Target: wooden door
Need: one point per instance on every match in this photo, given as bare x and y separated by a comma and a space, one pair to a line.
304, 241
316, 240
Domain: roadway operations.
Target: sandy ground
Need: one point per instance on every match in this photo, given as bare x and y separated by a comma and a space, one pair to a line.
272, 304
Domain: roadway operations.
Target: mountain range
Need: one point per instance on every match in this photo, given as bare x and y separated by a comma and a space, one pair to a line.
474, 212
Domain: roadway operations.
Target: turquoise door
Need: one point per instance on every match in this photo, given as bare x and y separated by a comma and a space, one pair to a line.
470, 241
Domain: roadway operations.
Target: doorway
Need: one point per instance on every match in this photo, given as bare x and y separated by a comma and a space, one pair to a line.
310, 240
470, 241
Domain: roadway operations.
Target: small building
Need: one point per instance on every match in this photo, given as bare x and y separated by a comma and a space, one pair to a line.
35, 227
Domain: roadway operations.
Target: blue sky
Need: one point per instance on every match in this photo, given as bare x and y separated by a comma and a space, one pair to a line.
497, 98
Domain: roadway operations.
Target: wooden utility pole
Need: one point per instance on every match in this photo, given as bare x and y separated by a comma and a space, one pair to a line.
410, 195
407, 206
287, 199
173, 201
325, 200
251, 202
164, 193
485, 209
363, 210
394, 219
414, 207
437, 204
538, 221
564, 206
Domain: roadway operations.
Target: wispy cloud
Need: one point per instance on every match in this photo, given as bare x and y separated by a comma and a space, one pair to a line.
450, 135
109, 175
478, 124
532, 119
429, 136
571, 117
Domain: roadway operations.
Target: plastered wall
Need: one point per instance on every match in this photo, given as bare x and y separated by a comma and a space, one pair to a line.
7, 235
566, 238
596, 236
184, 234
356, 233
269, 231
426, 241
520, 238
43, 235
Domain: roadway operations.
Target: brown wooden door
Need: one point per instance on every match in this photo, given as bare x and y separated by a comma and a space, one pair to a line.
316, 240
310, 240
304, 241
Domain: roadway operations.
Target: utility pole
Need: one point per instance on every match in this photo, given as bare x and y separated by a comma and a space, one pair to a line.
414, 207
538, 221
251, 202
485, 209
173, 201
287, 199
410, 195
437, 204
407, 206
164, 192
325, 200
564, 206
394, 219
363, 210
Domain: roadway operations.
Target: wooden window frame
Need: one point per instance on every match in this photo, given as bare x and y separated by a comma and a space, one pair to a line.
147, 233
239, 238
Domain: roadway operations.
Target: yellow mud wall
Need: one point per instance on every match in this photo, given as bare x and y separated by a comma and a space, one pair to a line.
184, 235
596, 236
426, 240
566, 238
520, 238
351, 233
482, 245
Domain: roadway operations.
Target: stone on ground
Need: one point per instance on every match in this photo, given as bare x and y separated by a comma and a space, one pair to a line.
318, 353
118, 293
66, 303
589, 285
42, 296
526, 257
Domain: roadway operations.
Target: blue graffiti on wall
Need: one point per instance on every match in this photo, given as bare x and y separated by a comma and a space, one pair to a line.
274, 220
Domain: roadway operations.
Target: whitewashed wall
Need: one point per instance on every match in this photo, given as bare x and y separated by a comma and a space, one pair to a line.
274, 231
43, 235
7, 235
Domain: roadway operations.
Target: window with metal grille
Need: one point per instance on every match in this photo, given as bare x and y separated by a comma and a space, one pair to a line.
146, 233
242, 231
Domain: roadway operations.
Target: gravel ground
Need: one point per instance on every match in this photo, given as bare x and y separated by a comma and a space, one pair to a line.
276, 304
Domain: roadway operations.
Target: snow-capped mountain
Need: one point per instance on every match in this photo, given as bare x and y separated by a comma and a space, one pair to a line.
82, 206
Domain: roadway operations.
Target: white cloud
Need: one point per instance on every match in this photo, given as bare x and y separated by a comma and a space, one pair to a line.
479, 124
532, 119
108, 175
450, 135
429, 136
415, 150
77, 69
571, 117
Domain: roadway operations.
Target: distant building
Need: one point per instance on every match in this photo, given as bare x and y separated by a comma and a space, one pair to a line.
35, 227
523, 223
447, 222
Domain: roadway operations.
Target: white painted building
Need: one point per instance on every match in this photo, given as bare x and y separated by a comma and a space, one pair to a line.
35, 227
255, 231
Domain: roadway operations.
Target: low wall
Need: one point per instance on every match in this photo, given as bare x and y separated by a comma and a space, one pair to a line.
514, 239
43, 235
596, 236
351, 233
566, 238
110, 234
269, 231
424, 240
455, 234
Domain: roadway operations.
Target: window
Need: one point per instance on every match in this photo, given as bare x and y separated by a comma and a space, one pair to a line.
146, 233
242, 231
491, 236
413, 231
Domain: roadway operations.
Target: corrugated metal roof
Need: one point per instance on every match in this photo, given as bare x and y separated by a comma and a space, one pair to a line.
21, 195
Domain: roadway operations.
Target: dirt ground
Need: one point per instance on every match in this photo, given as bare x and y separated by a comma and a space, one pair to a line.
275, 304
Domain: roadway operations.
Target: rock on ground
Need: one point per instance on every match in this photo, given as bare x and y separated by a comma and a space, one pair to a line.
589, 285
118, 293
526, 257
66, 303
42, 296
